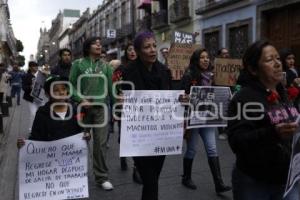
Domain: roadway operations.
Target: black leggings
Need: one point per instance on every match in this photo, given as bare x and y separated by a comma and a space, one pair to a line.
149, 168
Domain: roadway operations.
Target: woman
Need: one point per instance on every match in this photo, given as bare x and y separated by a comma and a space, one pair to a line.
261, 140
287, 58
129, 56
199, 74
146, 73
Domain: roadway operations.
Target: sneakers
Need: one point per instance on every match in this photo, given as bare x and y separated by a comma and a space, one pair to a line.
106, 185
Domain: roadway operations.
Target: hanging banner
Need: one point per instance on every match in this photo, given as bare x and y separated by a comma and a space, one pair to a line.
208, 106
227, 71
54, 170
152, 123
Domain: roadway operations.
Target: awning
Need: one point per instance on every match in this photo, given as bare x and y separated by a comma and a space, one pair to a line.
144, 4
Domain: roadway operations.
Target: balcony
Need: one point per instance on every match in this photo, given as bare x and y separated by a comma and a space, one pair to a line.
126, 30
160, 19
214, 4
179, 11
144, 24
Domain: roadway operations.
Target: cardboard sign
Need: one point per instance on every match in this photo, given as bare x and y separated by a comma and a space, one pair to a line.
54, 170
152, 123
179, 58
226, 71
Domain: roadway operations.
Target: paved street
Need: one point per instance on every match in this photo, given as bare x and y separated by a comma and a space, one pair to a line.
125, 188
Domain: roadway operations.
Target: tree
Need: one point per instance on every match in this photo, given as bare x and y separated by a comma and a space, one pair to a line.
19, 45
20, 60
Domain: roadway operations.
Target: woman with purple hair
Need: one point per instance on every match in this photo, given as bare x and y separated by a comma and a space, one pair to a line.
146, 73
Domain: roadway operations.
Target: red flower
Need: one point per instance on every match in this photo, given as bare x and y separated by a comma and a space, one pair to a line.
273, 97
117, 76
293, 92
194, 82
79, 116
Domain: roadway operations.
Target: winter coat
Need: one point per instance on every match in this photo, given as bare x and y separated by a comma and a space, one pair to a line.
260, 152
159, 78
27, 84
45, 128
61, 70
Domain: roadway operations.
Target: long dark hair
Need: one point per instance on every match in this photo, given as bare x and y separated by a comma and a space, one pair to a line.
194, 63
284, 53
87, 45
125, 60
253, 54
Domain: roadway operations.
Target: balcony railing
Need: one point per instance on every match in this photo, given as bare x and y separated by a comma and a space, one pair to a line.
214, 4
160, 19
179, 11
144, 24
126, 30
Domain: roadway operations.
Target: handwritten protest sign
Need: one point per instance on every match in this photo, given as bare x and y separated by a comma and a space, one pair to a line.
182, 37
38, 86
53, 170
152, 123
209, 106
226, 71
294, 171
179, 58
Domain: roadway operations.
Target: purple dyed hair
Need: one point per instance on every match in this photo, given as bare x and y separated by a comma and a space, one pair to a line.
139, 39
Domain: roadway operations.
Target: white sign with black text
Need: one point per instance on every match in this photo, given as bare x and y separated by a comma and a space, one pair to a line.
152, 123
54, 170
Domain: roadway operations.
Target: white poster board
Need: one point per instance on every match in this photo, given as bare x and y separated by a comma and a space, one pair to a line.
152, 123
54, 170
208, 106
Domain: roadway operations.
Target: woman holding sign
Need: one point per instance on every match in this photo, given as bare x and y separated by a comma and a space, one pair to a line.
146, 73
261, 134
199, 74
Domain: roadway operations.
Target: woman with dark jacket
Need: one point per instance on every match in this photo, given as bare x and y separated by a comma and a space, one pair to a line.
262, 127
146, 73
199, 74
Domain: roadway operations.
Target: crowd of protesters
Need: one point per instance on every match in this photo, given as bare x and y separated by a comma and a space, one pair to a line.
262, 147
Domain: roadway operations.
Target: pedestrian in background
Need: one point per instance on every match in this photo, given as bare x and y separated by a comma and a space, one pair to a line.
129, 57
261, 144
64, 64
287, 58
27, 85
16, 82
199, 73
